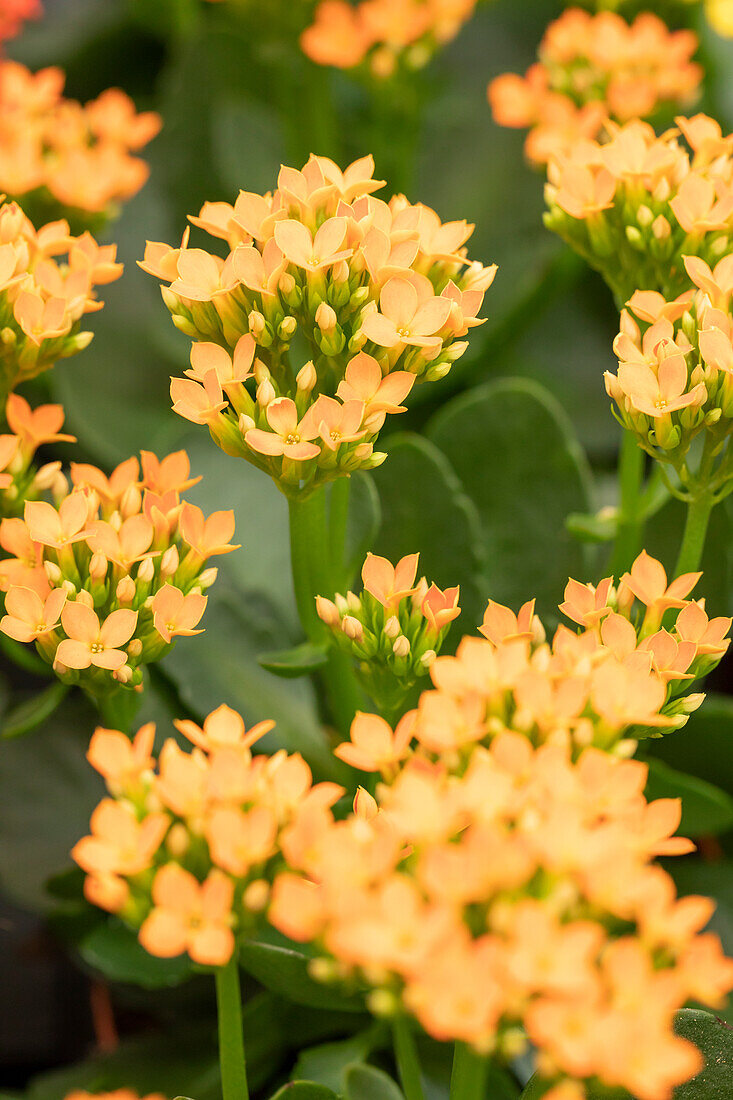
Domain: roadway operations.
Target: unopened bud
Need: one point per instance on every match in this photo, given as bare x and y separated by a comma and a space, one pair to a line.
125, 591
146, 571
54, 574
208, 577
265, 394
86, 598
352, 628
392, 627
178, 840
260, 371
123, 675
428, 657
69, 588
257, 895
353, 602
169, 562
326, 318
98, 566
256, 323
401, 646
661, 228
287, 283
306, 378
327, 611
644, 216
48, 477
287, 328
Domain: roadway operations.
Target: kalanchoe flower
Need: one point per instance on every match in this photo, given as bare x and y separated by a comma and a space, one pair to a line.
106, 577
13, 14
382, 36
675, 376
42, 300
513, 888
379, 296
394, 629
20, 478
635, 205
65, 160
623, 673
185, 856
592, 68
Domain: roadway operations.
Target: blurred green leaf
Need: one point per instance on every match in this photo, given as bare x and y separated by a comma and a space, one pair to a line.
284, 971
703, 747
425, 510
301, 660
518, 460
221, 667
49, 791
303, 1090
362, 1082
706, 810
33, 712
114, 950
714, 1038
327, 1063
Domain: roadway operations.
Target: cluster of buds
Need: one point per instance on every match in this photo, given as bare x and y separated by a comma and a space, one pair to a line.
675, 379
512, 899
634, 206
394, 629
377, 294
62, 159
14, 13
186, 856
382, 35
20, 478
43, 299
620, 675
593, 68
106, 577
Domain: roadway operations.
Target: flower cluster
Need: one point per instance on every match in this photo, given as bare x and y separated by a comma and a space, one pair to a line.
20, 479
618, 676
13, 14
43, 299
636, 205
368, 296
105, 578
675, 379
62, 159
513, 891
382, 34
394, 629
592, 68
186, 855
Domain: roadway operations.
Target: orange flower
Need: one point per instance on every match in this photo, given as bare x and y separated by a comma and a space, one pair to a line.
373, 745
222, 729
120, 761
440, 608
289, 436
207, 536
90, 643
28, 616
189, 916
119, 843
389, 584
410, 314
58, 528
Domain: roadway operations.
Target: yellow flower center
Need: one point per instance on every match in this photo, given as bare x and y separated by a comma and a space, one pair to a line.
335, 435
170, 627
41, 627
292, 438
403, 332
97, 647
660, 403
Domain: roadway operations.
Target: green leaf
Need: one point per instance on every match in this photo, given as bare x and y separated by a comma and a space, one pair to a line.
714, 1038
49, 792
220, 666
327, 1063
301, 660
284, 971
114, 949
518, 460
703, 747
33, 712
362, 1082
706, 810
303, 1090
425, 510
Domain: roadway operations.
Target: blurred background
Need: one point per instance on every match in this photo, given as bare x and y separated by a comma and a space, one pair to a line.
238, 98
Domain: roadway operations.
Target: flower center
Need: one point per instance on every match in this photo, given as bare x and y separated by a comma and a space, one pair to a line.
291, 439
403, 332
97, 647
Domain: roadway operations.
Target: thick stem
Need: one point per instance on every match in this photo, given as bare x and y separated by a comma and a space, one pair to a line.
117, 709
313, 575
231, 1033
468, 1078
693, 539
338, 514
408, 1063
630, 524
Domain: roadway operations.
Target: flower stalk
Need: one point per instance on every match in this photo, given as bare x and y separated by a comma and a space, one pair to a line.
468, 1077
699, 511
630, 524
408, 1064
231, 1037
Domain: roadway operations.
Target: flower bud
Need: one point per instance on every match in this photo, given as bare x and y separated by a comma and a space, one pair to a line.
256, 895
326, 318
98, 567
53, 573
256, 323
306, 377
208, 577
126, 590
146, 571
265, 394
327, 611
169, 562
401, 646
352, 628
86, 598
392, 627
287, 328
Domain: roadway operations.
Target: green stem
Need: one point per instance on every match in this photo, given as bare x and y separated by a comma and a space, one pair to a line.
630, 524
338, 514
468, 1078
693, 539
117, 709
231, 1033
408, 1063
311, 559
